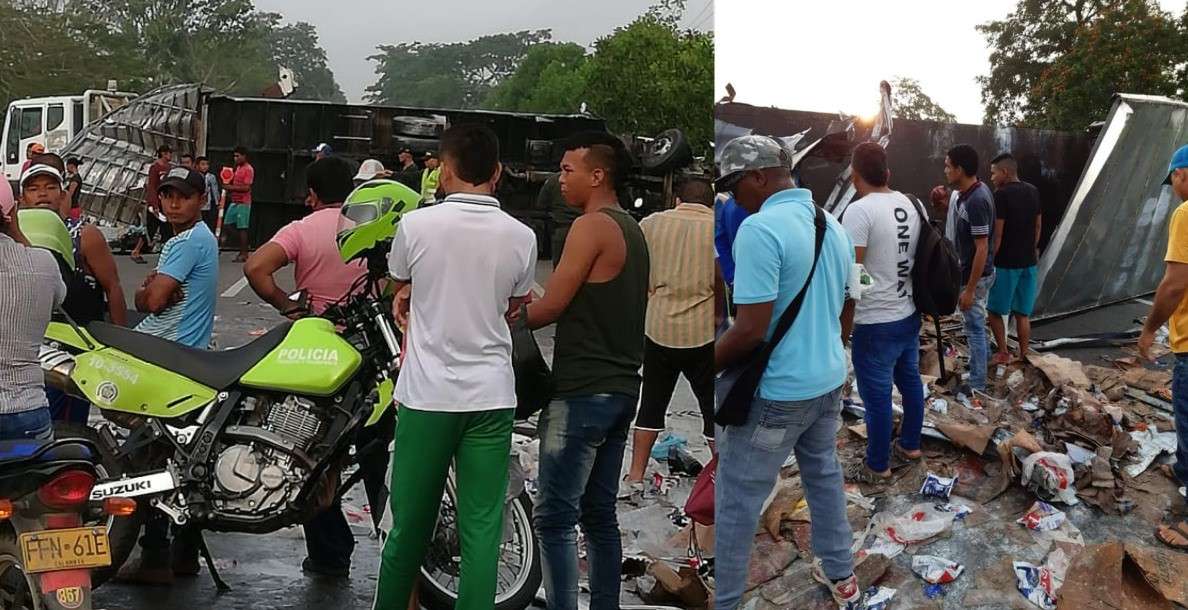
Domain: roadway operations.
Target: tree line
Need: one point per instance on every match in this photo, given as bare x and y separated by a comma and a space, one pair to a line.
644, 77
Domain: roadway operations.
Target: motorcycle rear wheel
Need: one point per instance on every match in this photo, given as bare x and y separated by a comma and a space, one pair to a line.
519, 560
122, 532
18, 590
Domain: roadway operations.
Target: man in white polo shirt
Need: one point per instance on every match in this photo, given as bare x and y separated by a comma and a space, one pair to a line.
462, 266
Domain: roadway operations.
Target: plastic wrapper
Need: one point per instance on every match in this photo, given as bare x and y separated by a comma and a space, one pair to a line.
1040, 584
936, 570
937, 486
877, 598
1050, 476
1035, 583
919, 523
960, 511
1043, 517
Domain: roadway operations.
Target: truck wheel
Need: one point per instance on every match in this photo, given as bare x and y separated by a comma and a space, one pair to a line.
668, 152
416, 126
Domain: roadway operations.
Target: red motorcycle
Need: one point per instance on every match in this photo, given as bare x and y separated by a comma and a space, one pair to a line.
51, 534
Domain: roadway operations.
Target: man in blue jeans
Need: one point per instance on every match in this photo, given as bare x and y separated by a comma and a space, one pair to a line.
1171, 306
884, 226
598, 297
970, 227
798, 407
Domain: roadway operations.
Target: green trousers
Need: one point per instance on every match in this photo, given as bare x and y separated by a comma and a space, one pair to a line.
427, 442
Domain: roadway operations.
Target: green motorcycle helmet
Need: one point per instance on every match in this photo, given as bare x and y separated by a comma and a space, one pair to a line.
369, 216
45, 229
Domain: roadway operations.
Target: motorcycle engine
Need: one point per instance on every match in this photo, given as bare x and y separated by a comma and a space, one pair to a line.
253, 477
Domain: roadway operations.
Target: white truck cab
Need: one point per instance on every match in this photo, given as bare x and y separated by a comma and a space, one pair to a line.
52, 122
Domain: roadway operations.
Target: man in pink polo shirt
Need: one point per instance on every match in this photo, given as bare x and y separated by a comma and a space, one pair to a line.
310, 245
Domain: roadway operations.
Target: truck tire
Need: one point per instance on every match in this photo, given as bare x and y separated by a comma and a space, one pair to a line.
416, 126
419, 146
668, 152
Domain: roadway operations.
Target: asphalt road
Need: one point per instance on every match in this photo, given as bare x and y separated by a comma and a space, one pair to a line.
264, 570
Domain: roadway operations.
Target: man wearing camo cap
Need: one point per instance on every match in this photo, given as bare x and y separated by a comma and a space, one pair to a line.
798, 404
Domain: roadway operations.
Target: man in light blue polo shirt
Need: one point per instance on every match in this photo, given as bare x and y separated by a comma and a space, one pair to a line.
798, 407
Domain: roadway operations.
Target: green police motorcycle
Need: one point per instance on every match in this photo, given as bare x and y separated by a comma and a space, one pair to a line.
254, 439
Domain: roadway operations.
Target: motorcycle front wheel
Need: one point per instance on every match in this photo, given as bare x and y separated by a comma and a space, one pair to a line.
519, 559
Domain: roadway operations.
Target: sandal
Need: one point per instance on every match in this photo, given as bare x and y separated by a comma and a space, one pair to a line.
859, 472
1000, 358
139, 260
898, 451
1175, 536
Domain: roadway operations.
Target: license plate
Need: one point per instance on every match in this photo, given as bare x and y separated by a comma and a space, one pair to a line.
83, 547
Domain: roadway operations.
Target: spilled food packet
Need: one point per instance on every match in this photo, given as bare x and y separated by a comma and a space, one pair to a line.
1043, 517
877, 598
939, 405
936, 570
960, 511
933, 591
937, 486
887, 548
1036, 584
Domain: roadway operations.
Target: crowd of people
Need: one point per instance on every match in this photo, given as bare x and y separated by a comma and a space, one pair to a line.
633, 304
848, 282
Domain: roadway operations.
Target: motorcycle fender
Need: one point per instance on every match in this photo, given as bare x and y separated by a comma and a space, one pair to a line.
385, 389
132, 487
312, 360
65, 335
117, 381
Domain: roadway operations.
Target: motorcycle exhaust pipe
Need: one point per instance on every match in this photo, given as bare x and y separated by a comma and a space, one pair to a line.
58, 366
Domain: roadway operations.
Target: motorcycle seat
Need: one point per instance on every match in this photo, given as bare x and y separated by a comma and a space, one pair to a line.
217, 369
43, 450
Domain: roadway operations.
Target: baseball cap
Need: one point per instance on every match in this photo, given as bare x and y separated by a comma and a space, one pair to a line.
38, 169
185, 180
749, 153
322, 148
430, 154
370, 169
1179, 160
405, 150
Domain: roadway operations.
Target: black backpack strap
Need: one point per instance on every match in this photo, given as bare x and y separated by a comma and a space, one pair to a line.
919, 210
789, 315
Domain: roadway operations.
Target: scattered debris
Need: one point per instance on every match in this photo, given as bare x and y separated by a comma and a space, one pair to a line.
1043, 517
936, 570
920, 523
1040, 584
937, 486
1050, 476
1150, 445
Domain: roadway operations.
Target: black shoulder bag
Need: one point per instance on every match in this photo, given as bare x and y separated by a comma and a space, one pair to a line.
735, 387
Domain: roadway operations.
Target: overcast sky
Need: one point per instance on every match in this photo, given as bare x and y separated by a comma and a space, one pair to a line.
830, 56
350, 31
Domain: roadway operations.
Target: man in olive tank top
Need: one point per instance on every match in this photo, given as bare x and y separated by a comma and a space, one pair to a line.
598, 297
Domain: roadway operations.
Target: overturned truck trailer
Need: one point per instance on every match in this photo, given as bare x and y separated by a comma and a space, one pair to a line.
1109, 247
1104, 205
280, 135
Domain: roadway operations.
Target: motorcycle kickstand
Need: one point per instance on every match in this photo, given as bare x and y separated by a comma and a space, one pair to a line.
204, 550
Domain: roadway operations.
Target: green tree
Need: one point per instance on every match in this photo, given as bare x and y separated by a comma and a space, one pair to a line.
551, 78
650, 76
1058, 64
65, 46
458, 75
910, 102
296, 47
42, 49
